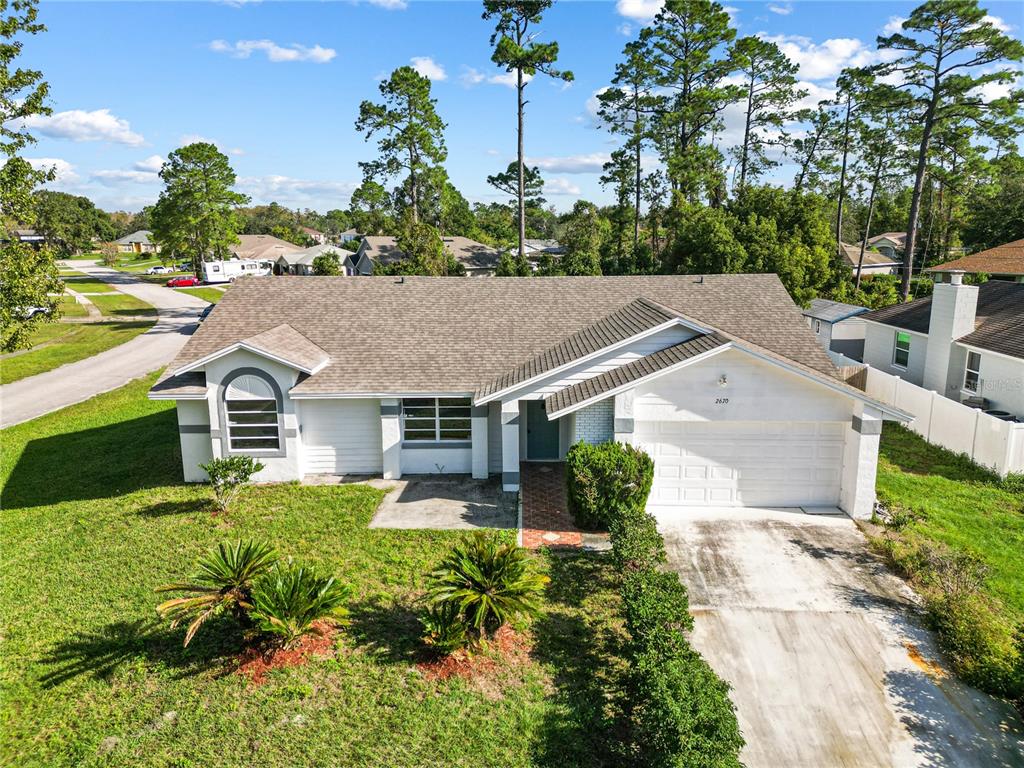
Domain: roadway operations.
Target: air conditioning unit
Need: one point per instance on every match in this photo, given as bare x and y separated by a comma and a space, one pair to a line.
975, 401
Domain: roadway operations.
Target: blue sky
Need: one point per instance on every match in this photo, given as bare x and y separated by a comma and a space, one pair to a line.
277, 85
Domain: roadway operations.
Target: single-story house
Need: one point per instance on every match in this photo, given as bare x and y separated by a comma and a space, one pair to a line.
1004, 262
138, 242
964, 341
874, 263
717, 377
535, 248
889, 244
27, 237
349, 235
315, 235
479, 260
261, 247
836, 326
301, 262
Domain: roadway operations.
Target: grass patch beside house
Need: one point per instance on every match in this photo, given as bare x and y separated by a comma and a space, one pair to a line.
70, 342
95, 516
211, 295
86, 284
121, 305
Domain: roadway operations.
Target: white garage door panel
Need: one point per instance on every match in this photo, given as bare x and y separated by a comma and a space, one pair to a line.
341, 437
744, 463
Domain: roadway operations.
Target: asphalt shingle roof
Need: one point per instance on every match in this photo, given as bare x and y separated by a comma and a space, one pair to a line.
1006, 259
637, 369
285, 342
422, 334
471, 254
998, 324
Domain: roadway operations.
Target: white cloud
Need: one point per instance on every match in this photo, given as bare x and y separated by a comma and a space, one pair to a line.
783, 9
114, 178
641, 10
390, 5
625, 29
894, 25
243, 49
151, 164
64, 171
429, 68
821, 61
493, 153
560, 186
296, 192
992, 91
589, 163
82, 125
996, 22
195, 138
471, 76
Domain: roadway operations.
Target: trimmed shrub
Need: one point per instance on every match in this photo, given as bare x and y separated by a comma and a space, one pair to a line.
636, 543
603, 481
228, 475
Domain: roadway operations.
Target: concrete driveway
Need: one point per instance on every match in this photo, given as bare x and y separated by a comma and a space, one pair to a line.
177, 314
828, 665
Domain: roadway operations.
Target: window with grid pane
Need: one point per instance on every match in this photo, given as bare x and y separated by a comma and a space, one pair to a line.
972, 375
250, 410
436, 419
901, 350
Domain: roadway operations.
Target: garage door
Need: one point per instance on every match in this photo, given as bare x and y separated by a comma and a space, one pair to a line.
756, 463
341, 436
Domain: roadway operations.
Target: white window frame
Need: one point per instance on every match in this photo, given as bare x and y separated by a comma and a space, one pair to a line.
817, 326
896, 349
976, 371
437, 421
230, 425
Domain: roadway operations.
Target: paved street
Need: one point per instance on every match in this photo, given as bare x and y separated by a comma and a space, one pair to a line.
177, 312
828, 665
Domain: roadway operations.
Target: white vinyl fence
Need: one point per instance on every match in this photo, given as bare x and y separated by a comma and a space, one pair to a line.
991, 442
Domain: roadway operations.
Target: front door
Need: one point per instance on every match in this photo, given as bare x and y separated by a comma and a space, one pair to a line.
541, 434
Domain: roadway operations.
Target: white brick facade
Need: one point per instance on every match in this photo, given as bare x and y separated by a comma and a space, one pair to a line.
595, 423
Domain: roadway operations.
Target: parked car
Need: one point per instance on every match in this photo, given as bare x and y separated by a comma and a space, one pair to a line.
206, 312
27, 313
159, 270
185, 266
185, 281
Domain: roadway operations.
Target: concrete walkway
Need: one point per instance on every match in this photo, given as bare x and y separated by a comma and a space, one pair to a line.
177, 315
827, 661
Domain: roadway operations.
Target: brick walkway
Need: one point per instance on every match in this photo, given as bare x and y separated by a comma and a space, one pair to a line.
546, 518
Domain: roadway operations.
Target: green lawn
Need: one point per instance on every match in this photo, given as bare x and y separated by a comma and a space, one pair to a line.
211, 295
71, 308
95, 516
121, 304
73, 341
962, 505
86, 284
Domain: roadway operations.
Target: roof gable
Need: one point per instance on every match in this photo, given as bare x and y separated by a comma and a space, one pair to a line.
281, 343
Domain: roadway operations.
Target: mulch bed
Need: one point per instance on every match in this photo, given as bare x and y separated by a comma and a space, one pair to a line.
506, 645
255, 662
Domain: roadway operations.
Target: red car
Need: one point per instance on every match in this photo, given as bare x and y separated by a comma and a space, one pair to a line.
182, 282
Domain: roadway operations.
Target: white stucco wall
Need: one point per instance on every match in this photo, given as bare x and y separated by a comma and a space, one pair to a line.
879, 341
194, 433
1002, 379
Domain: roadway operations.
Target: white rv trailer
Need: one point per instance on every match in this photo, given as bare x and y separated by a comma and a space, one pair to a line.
227, 271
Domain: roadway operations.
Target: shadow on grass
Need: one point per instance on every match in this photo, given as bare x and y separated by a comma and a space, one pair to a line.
575, 639
391, 633
187, 507
96, 463
100, 653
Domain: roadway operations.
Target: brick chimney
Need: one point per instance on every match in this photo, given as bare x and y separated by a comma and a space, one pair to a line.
953, 310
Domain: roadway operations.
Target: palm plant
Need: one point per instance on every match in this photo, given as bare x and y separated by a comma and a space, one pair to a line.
224, 582
444, 628
489, 582
289, 599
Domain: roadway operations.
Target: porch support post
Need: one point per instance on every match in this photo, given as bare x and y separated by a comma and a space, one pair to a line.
391, 437
860, 462
624, 422
479, 439
510, 446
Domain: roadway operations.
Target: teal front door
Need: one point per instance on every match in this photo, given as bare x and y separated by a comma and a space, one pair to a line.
541, 434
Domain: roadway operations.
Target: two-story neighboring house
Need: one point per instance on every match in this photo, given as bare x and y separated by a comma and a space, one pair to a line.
964, 341
889, 244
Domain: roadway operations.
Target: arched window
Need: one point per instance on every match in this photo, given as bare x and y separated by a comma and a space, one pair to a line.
252, 414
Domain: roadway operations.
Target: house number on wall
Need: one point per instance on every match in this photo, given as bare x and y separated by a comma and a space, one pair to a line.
721, 400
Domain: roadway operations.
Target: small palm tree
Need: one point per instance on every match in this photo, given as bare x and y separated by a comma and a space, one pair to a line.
489, 582
224, 582
289, 599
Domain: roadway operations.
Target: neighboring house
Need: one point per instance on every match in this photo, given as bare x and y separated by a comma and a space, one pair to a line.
718, 378
874, 263
536, 248
1004, 262
349, 235
317, 236
837, 327
138, 242
965, 342
261, 247
301, 262
889, 244
478, 259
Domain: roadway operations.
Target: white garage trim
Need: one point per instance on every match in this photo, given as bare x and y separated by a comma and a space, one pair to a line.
744, 463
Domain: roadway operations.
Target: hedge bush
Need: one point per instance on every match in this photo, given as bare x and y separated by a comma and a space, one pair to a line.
605, 480
676, 711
